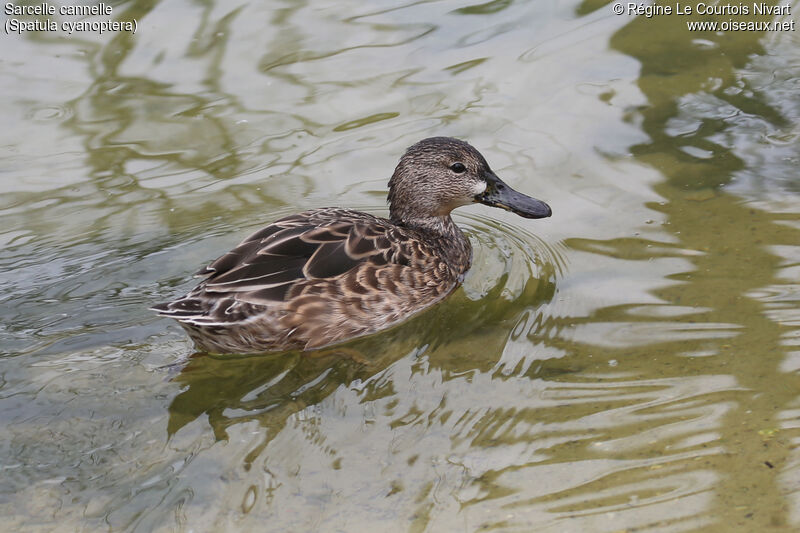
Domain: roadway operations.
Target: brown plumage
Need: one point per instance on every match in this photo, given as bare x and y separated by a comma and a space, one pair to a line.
327, 275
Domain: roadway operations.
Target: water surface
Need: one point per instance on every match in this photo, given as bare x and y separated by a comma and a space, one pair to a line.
629, 364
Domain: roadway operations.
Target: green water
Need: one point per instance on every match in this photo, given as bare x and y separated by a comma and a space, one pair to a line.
630, 364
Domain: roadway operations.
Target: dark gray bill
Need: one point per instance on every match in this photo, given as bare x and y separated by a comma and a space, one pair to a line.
498, 194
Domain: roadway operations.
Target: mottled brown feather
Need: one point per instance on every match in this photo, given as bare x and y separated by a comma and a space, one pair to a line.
306, 274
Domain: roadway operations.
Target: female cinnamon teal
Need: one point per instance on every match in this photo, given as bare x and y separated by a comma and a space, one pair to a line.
327, 275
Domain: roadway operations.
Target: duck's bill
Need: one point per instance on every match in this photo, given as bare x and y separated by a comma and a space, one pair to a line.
498, 194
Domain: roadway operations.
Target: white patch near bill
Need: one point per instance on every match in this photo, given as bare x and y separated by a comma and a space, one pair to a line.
479, 188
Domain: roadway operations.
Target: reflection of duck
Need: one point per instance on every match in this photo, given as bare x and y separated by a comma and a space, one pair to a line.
271, 388
328, 275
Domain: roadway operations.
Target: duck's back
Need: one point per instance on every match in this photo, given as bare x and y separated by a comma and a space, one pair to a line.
316, 278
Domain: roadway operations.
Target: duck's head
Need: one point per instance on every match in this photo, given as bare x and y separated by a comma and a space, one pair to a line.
438, 174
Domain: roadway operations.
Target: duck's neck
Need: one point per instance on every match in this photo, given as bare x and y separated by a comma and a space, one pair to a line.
444, 237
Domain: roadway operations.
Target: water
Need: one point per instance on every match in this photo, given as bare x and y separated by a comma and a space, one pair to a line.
629, 364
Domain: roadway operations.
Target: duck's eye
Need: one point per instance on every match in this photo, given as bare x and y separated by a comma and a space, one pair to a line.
458, 168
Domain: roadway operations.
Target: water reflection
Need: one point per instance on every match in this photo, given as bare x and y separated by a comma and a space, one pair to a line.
716, 330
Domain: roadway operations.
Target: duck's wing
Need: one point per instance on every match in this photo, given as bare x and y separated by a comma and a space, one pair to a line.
278, 262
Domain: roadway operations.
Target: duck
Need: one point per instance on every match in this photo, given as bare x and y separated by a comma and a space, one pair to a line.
324, 276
